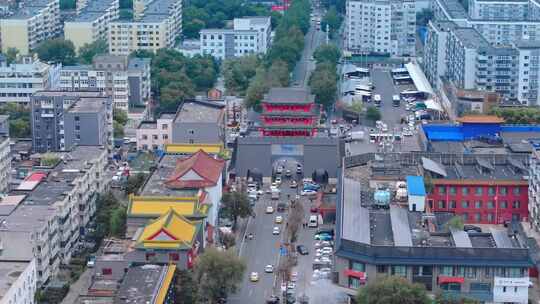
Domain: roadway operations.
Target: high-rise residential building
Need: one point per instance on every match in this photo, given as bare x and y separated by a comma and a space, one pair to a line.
18, 278
382, 27
250, 35
62, 120
27, 26
434, 63
156, 27
18, 81
91, 22
127, 80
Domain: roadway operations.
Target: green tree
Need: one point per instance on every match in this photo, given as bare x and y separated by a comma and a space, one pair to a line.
236, 204
333, 19
175, 93
275, 19
57, 50
89, 50
218, 274
106, 204
238, 72
323, 83
118, 130
11, 55
256, 90
19, 128
355, 106
134, 183
453, 299
278, 74
120, 116
117, 221
186, 287
392, 290
327, 53
456, 222
373, 114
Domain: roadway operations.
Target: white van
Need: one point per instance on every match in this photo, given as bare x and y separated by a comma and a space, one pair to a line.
313, 223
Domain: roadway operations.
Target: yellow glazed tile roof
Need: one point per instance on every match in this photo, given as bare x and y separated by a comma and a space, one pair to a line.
192, 148
164, 288
171, 230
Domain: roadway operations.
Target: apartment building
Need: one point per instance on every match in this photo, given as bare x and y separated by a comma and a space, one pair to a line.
534, 190
5, 164
62, 120
18, 277
18, 81
48, 212
91, 22
381, 27
371, 243
498, 10
25, 27
127, 80
528, 71
434, 63
157, 27
250, 35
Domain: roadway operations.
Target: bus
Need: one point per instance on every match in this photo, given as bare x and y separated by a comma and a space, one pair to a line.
395, 100
412, 94
377, 100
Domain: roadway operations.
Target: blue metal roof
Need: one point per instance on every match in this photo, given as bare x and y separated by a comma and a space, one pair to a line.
415, 185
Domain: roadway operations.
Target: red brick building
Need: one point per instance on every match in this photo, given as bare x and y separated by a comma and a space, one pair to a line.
289, 112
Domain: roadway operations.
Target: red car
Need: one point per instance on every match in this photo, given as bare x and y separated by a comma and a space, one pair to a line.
313, 209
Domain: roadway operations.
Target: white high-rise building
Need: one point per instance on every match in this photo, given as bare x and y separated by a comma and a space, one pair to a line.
381, 27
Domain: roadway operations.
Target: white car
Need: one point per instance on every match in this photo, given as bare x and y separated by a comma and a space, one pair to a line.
294, 276
275, 231
268, 268
279, 219
308, 192
278, 180
254, 277
269, 209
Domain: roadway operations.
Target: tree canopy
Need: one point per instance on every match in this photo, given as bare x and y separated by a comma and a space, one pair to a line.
236, 204
327, 53
323, 83
333, 19
19, 119
57, 50
392, 290
218, 274
529, 115
373, 114
89, 50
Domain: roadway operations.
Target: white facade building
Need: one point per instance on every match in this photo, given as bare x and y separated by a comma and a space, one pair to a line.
17, 281
381, 27
511, 290
18, 81
251, 35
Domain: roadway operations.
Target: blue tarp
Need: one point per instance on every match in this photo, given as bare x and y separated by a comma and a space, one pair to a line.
415, 185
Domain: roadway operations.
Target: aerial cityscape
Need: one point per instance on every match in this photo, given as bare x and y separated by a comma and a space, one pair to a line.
269, 151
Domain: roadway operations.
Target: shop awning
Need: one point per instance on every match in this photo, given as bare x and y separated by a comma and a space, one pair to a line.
447, 279
356, 274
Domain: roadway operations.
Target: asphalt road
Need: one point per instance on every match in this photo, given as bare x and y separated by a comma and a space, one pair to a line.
385, 87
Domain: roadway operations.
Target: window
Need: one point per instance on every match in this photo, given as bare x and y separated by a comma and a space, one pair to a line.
354, 282
452, 205
422, 270
490, 217
477, 217
504, 204
165, 136
150, 255
447, 270
481, 287
478, 191
382, 269
465, 191
442, 190
465, 216
154, 136
516, 205
491, 191
513, 272
442, 205
470, 272
191, 131
399, 270
465, 204
503, 190
145, 137
452, 190
478, 204
516, 191
504, 288
164, 127
77, 118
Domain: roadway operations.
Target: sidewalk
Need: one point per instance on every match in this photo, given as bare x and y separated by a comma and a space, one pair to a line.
79, 287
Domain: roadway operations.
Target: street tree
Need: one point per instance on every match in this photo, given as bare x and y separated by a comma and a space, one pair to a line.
11, 55
453, 299
134, 183
120, 116
228, 240
89, 50
323, 83
373, 114
57, 50
327, 53
236, 204
118, 130
256, 90
186, 287
117, 221
175, 93
278, 74
238, 72
355, 106
392, 290
295, 219
218, 274
333, 19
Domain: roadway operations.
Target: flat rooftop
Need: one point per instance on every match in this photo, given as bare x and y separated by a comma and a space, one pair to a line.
88, 105
30, 9
9, 273
155, 185
157, 10
453, 8
141, 284
199, 112
93, 10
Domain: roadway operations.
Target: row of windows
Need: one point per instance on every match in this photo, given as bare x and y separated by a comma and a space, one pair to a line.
155, 136
478, 190
441, 204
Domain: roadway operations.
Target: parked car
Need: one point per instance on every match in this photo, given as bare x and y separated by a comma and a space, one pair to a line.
308, 192
275, 231
268, 268
269, 209
293, 184
254, 277
323, 237
302, 250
